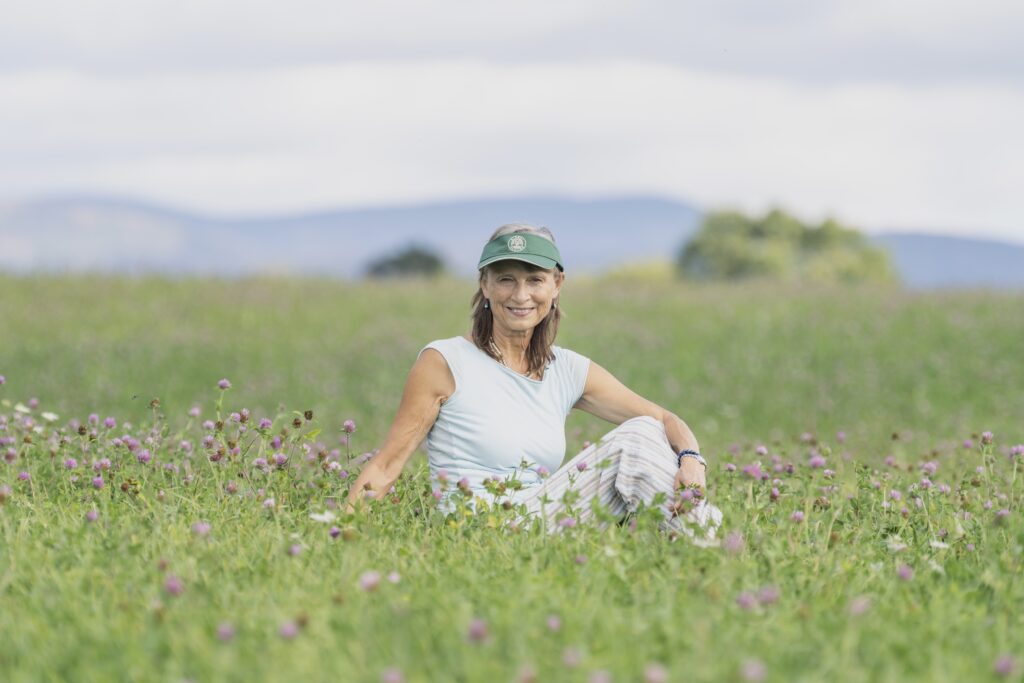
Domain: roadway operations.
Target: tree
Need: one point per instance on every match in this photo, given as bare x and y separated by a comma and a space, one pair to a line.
413, 261
732, 246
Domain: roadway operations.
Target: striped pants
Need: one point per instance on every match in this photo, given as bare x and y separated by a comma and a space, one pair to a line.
638, 463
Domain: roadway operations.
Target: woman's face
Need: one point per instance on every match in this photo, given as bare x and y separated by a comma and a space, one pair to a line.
520, 297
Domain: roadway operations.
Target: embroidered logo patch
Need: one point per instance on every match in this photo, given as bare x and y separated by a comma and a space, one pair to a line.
517, 243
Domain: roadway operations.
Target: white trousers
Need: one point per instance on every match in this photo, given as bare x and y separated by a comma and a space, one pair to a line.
639, 463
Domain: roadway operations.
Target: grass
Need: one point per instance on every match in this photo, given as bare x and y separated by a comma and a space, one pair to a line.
907, 377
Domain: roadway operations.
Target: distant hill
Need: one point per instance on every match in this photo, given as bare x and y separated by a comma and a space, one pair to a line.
927, 261
108, 234
113, 234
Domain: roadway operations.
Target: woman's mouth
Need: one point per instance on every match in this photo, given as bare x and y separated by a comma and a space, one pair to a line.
520, 312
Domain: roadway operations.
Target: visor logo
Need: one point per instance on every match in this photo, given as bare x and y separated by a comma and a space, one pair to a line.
517, 244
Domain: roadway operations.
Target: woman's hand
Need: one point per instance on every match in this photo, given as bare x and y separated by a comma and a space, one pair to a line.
690, 473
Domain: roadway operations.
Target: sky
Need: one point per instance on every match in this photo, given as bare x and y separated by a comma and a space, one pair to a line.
887, 116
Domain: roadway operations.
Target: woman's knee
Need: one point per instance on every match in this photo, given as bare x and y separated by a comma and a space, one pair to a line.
643, 425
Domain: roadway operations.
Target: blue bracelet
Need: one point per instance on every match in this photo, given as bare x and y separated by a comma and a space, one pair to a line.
689, 453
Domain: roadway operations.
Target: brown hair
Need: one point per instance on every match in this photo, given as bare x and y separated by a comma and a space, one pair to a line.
539, 353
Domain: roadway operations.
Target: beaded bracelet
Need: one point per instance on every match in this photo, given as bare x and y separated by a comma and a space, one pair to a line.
690, 453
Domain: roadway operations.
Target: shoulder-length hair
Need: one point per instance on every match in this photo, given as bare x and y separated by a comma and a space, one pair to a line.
539, 353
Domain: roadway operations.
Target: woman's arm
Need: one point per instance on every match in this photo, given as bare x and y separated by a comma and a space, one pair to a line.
610, 399
429, 385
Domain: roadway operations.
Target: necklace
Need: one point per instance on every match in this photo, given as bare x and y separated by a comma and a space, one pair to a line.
497, 352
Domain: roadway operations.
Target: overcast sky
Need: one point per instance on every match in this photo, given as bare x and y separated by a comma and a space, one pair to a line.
886, 115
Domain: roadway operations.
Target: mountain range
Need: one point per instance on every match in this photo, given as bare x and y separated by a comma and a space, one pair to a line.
111, 234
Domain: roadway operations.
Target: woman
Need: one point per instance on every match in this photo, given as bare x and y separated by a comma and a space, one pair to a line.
492, 405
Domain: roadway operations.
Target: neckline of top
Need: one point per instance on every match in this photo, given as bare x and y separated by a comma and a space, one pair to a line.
505, 367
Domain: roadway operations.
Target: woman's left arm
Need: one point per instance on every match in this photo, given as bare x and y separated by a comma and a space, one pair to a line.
608, 398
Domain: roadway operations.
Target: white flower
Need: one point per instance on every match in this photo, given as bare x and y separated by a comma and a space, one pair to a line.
22, 408
48, 416
325, 516
939, 544
37, 429
895, 544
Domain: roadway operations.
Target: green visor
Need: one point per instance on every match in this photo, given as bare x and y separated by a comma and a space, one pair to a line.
522, 246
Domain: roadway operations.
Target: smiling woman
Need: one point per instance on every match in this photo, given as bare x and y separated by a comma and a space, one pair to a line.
492, 406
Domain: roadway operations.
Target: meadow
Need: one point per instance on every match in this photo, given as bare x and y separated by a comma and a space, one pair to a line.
863, 444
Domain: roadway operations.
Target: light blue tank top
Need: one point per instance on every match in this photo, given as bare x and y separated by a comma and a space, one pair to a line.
496, 419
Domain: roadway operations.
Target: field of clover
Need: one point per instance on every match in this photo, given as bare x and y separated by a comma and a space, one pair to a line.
176, 457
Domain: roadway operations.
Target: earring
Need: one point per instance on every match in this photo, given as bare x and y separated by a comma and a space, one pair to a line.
487, 304
554, 305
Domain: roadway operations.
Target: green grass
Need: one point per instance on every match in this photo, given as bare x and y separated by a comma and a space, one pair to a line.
906, 375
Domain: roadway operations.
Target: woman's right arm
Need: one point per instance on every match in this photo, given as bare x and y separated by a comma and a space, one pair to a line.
429, 384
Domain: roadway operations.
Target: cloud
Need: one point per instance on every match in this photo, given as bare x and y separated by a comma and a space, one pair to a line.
807, 41
939, 157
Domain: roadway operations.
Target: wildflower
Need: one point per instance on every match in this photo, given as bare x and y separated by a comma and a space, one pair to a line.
280, 459
477, 631
768, 595
289, 629
895, 495
334, 532
527, 674
225, 632
746, 601
110, 423
754, 670
860, 605
1002, 515
49, 417
905, 572
294, 549
925, 483
3, 380
224, 384
173, 585
797, 517
70, 464
394, 577
92, 515
97, 482
143, 456
235, 417
986, 438
968, 444
1004, 666
816, 461
5, 493
753, 470
349, 426
231, 487
841, 437
929, 468
269, 503
581, 465
567, 522
265, 423
10, 455
325, 516
572, 657
655, 673
392, 675
201, 529
890, 461
554, 623
761, 450
543, 472
581, 559
369, 581
729, 467
24, 476
774, 495
733, 543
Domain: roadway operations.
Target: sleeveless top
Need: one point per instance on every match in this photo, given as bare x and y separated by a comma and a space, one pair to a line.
499, 423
